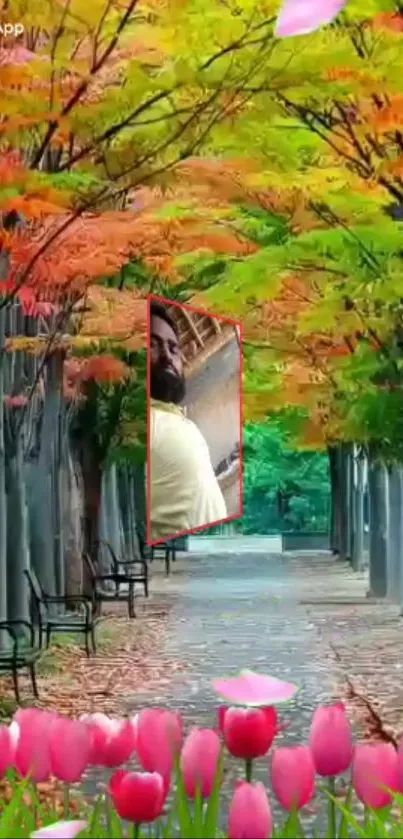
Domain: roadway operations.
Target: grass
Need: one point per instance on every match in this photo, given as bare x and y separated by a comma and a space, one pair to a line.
51, 662
8, 707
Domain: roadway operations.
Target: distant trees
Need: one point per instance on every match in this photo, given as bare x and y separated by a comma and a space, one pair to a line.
285, 489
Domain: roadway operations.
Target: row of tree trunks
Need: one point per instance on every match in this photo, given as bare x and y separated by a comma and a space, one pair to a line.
56, 498
385, 495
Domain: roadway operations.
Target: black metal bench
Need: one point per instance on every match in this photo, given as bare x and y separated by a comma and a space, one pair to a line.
169, 551
22, 653
100, 594
127, 570
66, 619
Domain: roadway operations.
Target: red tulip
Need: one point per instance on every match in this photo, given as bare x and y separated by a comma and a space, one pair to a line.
32, 756
331, 740
248, 732
199, 761
70, 747
8, 742
159, 739
375, 771
250, 814
399, 766
293, 776
113, 740
138, 796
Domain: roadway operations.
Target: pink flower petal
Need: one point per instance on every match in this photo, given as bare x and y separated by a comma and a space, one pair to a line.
60, 830
254, 689
299, 17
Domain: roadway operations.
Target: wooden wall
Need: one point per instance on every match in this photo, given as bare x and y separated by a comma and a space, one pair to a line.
213, 403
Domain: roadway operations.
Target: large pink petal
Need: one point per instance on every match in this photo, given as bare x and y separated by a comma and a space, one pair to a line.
60, 830
299, 17
69, 746
254, 689
32, 755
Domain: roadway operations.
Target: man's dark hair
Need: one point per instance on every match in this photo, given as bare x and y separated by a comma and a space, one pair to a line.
158, 310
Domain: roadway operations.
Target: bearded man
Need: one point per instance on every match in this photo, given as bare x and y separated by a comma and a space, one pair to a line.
185, 493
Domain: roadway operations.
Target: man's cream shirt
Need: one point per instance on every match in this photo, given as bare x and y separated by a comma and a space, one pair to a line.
185, 493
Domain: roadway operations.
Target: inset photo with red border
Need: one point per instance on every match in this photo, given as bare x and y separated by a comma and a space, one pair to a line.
194, 402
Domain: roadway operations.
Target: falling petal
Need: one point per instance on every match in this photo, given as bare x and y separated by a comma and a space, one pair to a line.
60, 830
299, 17
254, 689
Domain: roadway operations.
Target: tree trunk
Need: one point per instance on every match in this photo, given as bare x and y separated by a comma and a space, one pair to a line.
92, 484
17, 534
57, 506
378, 513
41, 486
139, 496
3, 500
72, 521
358, 508
110, 529
335, 518
395, 533
126, 511
345, 499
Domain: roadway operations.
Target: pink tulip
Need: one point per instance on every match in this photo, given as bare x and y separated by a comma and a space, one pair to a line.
69, 745
32, 755
8, 741
113, 741
399, 766
199, 761
293, 776
250, 814
60, 830
254, 689
299, 17
159, 739
375, 772
138, 796
330, 740
248, 732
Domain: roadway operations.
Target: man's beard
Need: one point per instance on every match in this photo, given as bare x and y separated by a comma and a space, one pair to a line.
166, 386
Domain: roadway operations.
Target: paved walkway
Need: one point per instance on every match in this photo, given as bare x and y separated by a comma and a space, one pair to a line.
245, 610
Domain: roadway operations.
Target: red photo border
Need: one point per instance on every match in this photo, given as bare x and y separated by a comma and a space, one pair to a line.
237, 516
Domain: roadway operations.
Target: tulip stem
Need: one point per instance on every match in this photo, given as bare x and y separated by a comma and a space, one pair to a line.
332, 807
136, 830
108, 815
35, 800
66, 801
248, 770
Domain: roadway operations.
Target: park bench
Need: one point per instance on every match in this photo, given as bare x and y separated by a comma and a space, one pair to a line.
63, 618
100, 594
127, 570
22, 652
168, 549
